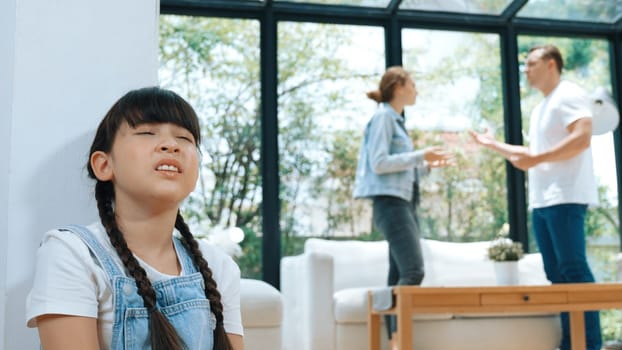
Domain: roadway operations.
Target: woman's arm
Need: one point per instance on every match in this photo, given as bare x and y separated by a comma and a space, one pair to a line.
63, 332
378, 143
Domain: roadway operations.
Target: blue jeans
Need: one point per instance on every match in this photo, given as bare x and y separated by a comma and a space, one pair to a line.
397, 220
560, 234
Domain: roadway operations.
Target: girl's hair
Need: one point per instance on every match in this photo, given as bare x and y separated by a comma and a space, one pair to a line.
394, 76
153, 105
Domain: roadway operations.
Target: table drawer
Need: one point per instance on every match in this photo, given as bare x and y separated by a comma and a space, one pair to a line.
524, 298
451, 299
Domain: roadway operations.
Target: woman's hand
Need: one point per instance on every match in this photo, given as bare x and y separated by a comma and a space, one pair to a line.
438, 157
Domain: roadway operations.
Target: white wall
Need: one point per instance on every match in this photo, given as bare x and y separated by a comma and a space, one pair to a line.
7, 31
66, 61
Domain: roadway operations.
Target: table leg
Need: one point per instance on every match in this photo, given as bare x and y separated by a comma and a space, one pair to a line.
577, 330
373, 326
404, 322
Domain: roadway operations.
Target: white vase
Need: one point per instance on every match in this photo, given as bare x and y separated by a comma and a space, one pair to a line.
506, 273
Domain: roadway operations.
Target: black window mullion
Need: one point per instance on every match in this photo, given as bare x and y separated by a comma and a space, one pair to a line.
615, 54
517, 208
271, 237
393, 42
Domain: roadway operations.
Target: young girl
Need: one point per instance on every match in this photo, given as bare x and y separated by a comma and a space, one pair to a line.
387, 173
138, 279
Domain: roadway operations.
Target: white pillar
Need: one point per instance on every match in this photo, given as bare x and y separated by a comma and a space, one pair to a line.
62, 65
7, 49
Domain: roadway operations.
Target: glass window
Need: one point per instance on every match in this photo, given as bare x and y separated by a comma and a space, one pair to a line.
577, 10
493, 7
214, 63
370, 3
322, 112
458, 76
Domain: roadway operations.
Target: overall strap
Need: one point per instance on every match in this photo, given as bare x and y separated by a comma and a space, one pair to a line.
185, 256
111, 268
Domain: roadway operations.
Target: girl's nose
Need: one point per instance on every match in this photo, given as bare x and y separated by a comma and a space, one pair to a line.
169, 144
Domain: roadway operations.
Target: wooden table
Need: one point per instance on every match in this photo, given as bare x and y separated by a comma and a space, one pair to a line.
572, 298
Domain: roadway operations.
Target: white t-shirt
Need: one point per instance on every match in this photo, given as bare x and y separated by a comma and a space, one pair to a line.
569, 181
69, 281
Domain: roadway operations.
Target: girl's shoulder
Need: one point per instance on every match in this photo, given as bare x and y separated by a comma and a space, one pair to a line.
217, 259
68, 280
66, 239
74, 249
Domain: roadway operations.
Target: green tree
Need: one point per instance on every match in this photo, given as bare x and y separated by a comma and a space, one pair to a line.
466, 202
317, 160
214, 63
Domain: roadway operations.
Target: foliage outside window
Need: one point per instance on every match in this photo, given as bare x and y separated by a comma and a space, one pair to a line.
214, 64
322, 113
467, 202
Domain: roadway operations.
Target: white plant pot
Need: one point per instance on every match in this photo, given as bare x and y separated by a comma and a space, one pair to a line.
506, 273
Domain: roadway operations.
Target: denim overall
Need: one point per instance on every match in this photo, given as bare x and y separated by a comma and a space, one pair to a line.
181, 299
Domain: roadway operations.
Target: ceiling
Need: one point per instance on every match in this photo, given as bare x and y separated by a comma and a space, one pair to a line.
561, 17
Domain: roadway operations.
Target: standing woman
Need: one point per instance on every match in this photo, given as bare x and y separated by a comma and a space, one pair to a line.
387, 173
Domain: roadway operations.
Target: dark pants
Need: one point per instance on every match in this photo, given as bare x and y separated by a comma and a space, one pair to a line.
397, 220
560, 234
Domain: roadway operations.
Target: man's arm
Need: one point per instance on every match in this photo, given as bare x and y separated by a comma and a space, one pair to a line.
578, 140
506, 150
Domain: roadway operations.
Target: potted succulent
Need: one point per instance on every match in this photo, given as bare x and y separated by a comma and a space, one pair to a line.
505, 255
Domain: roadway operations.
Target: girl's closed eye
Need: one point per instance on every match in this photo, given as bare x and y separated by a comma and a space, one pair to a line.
144, 130
186, 138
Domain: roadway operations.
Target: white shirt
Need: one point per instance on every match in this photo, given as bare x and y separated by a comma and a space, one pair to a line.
69, 281
568, 181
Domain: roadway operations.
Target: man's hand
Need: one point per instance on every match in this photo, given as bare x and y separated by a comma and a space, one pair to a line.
518, 155
486, 138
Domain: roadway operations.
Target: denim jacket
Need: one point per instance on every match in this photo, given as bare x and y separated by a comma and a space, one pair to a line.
388, 165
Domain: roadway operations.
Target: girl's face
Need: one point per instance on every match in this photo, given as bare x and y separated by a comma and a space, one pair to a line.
152, 163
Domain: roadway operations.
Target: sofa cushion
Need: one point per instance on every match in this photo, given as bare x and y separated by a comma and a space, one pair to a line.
531, 270
260, 304
466, 264
350, 306
369, 259
456, 264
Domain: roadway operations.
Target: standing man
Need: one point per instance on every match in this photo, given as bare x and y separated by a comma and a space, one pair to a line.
561, 176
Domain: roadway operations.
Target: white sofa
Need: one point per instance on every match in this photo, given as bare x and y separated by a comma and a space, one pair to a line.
262, 309
324, 293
